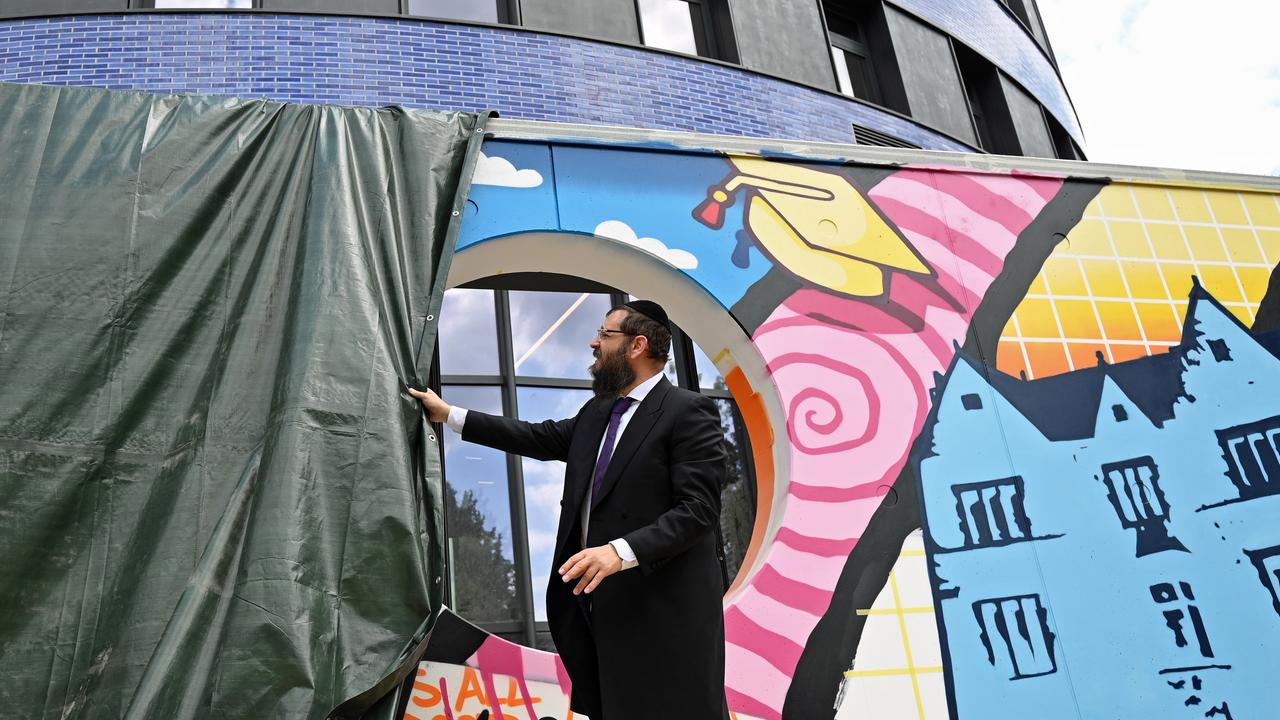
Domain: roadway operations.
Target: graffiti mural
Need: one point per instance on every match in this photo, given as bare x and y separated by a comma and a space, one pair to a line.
857, 312
1113, 522
1119, 282
468, 674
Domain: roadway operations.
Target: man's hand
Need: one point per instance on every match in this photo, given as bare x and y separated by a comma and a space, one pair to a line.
437, 409
591, 566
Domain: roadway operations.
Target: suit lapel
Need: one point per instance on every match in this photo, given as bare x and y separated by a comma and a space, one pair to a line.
637, 430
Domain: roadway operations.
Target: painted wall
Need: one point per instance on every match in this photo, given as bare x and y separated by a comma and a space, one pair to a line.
937, 536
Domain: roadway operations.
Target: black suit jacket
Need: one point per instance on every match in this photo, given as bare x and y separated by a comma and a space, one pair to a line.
653, 642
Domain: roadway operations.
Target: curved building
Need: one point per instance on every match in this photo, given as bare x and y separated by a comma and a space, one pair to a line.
963, 75
971, 76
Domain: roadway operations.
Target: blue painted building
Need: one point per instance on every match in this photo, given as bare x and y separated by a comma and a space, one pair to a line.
1103, 543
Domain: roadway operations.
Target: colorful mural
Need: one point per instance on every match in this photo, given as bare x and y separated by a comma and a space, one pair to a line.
1147, 488
1118, 283
835, 298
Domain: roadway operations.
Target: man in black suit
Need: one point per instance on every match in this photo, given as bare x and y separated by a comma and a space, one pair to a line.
634, 600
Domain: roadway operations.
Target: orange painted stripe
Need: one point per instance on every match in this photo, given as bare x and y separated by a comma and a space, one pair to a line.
751, 405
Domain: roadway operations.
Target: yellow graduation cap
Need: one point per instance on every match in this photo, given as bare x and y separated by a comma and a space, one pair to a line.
815, 224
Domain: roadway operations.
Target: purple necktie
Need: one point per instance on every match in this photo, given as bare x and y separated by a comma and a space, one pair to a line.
602, 465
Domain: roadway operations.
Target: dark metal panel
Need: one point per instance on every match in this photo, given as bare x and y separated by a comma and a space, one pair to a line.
1037, 24
606, 19
785, 39
930, 78
17, 8
515, 471
347, 6
1028, 121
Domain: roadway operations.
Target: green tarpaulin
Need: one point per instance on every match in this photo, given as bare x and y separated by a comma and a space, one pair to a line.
216, 500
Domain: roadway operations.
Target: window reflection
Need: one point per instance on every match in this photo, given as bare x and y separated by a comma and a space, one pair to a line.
468, 333
708, 376
544, 485
738, 496
478, 516
670, 25
551, 332
229, 4
474, 10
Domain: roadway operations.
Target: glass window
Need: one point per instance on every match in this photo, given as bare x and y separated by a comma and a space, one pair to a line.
854, 73
474, 10
738, 496
468, 333
671, 24
709, 378
544, 485
478, 516
230, 4
551, 332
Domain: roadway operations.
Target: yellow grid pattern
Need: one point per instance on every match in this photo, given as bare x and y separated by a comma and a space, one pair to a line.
1118, 285
889, 607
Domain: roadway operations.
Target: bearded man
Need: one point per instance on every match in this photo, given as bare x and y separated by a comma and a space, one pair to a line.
634, 599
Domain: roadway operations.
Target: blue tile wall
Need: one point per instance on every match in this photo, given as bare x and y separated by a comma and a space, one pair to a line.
985, 26
376, 61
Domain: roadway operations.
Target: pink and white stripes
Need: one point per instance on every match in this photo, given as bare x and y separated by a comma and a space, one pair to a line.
854, 382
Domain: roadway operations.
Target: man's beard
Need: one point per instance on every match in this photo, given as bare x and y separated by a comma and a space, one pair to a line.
611, 373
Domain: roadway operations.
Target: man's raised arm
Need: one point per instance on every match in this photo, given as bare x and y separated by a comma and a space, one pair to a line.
547, 440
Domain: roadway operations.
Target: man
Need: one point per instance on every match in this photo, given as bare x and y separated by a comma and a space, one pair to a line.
634, 599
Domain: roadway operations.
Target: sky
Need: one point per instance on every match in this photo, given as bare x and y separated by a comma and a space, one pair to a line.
1173, 83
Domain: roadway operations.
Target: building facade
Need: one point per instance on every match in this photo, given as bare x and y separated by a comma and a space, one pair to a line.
976, 75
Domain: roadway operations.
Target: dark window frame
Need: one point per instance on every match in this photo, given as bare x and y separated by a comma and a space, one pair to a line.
508, 12
859, 48
988, 108
710, 24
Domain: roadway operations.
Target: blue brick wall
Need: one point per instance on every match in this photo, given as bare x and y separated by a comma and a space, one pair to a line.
984, 26
374, 61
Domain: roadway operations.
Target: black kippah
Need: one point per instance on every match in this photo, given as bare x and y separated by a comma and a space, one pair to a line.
651, 310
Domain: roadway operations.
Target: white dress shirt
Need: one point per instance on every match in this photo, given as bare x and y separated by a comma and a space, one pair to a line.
458, 417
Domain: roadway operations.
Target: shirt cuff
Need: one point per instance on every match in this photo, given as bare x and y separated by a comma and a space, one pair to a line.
457, 418
623, 548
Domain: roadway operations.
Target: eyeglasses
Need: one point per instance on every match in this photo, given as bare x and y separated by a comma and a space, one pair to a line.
603, 333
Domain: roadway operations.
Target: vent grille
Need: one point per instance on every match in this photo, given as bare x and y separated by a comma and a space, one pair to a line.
866, 136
